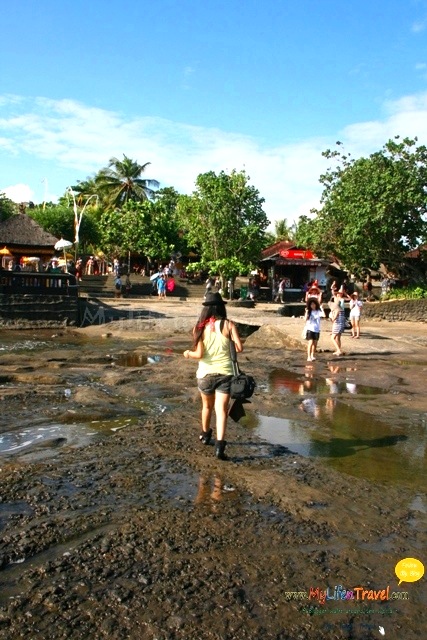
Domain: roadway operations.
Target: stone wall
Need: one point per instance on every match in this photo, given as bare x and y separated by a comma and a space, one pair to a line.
29, 311
396, 310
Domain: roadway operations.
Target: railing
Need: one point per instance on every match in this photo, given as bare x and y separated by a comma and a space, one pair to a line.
43, 284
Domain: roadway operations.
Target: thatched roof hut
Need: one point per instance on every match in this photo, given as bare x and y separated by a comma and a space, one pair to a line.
23, 236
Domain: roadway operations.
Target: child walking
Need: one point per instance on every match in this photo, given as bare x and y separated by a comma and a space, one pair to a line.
312, 326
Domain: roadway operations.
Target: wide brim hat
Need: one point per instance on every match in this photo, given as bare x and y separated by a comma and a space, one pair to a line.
212, 299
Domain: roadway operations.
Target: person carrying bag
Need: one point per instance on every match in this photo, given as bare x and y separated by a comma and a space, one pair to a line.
212, 336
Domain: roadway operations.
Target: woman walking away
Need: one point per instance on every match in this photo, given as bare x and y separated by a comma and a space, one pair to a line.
355, 310
312, 326
211, 347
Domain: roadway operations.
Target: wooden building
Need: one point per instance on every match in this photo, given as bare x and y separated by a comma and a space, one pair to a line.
297, 266
25, 242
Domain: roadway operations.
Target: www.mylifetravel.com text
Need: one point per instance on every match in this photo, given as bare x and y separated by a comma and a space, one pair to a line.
340, 593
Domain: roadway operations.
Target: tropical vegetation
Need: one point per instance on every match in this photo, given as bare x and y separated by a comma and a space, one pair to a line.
225, 222
117, 184
373, 209
407, 293
149, 227
7, 207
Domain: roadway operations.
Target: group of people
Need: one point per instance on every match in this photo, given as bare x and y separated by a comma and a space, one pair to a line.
211, 348
163, 284
314, 312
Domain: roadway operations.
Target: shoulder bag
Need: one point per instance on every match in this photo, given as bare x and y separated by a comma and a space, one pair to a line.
242, 384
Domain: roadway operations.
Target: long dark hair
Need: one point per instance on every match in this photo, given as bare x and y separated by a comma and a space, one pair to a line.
215, 311
309, 303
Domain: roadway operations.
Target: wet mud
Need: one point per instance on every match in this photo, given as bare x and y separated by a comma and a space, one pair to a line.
117, 523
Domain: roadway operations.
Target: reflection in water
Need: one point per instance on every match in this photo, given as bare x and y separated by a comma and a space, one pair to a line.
132, 359
211, 491
311, 406
285, 381
21, 440
49, 437
352, 442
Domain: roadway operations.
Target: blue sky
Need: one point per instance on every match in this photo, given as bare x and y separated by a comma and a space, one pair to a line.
190, 86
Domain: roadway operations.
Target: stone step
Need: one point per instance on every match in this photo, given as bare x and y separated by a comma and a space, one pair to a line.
104, 287
16, 310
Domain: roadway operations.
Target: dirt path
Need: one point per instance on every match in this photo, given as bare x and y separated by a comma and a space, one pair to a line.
142, 533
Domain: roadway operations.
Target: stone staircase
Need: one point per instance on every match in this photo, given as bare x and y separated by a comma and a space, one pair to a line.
24, 311
103, 287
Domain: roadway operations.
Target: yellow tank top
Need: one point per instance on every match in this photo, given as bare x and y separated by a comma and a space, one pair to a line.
216, 353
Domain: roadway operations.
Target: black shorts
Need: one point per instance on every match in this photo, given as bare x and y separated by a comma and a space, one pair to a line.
312, 335
215, 382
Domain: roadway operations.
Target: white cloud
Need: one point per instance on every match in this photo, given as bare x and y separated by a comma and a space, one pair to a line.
82, 138
19, 193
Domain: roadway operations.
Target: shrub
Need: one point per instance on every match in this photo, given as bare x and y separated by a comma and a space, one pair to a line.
414, 293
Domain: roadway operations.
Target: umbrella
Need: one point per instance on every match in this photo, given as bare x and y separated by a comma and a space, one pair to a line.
63, 244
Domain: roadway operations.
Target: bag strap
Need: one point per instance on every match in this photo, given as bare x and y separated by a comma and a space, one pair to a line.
233, 355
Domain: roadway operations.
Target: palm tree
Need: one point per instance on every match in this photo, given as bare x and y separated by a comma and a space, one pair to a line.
84, 189
283, 231
120, 182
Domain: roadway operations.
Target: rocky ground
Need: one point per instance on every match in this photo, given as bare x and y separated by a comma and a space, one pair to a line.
139, 532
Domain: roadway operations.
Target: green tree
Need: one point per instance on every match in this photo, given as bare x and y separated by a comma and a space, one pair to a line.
83, 190
373, 209
225, 221
284, 231
7, 207
141, 227
121, 182
58, 219
167, 221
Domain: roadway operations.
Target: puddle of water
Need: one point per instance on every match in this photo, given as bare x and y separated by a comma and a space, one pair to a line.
351, 441
18, 341
284, 381
51, 436
46, 439
131, 359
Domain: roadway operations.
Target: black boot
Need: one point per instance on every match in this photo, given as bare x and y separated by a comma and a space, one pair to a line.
220, 450
205, 436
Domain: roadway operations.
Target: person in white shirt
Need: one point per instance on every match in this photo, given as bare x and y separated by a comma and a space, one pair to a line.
312, 326
355, 310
